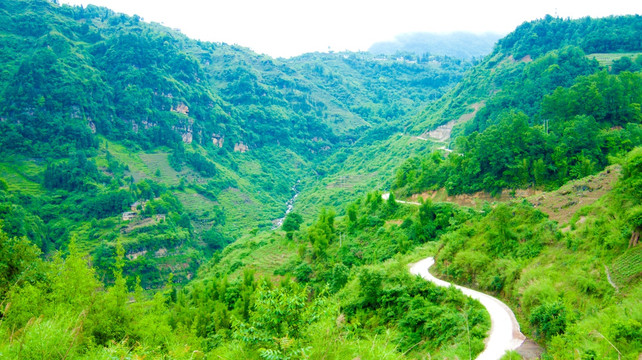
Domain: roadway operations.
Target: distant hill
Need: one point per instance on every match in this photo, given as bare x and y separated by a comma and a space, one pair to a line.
459, 44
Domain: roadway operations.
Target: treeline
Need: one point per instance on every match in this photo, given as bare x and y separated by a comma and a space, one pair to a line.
555, 279
592, 35
73, 72
572, 133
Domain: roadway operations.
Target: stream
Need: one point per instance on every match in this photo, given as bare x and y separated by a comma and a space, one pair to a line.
289, 207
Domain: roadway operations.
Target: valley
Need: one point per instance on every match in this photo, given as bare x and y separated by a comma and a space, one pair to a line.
171, 198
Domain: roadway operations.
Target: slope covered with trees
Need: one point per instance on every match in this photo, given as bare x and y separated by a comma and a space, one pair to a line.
104, 115
142, 170
545, 120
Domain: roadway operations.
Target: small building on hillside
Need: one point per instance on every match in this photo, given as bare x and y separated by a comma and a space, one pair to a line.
135, 206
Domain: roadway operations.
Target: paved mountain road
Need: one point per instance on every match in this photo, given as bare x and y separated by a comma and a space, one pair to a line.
504, 332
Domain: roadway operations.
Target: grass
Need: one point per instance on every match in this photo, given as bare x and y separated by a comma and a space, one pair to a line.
144, 165
263, 253
195, 202
607, 59
123, 155
562, 204
158, 161
357, 173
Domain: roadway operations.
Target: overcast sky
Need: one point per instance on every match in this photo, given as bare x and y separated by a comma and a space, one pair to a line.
283, 28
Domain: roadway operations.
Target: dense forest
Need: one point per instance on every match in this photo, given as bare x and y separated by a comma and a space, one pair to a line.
103, 111
143, 174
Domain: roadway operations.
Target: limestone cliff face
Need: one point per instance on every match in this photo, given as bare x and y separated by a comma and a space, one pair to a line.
217, 140
240, 147
92, 125
184, 129
181, 109
187, 137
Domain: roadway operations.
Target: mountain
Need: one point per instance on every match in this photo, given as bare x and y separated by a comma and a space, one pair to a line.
460, 45
102, 111
521, 109
142, 171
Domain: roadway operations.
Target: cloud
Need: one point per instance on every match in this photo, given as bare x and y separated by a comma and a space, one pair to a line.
291, 27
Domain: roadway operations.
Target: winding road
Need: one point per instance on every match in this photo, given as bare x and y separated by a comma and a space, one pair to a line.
504, 332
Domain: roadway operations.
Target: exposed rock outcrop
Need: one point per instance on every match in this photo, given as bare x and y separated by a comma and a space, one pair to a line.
240, 147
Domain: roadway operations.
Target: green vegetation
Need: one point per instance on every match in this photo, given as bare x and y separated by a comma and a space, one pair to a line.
557, 281
608, 59
549, 125
233, 313
143, 170
535, 38
104, 111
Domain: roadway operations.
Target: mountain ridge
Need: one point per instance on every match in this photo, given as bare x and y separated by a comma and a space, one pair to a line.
462, 45
143, 170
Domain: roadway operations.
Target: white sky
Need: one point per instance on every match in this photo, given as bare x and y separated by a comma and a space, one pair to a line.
283, 28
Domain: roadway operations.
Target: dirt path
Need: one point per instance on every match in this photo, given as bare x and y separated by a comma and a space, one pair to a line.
442, 132
504, 332
386, 196
608, 277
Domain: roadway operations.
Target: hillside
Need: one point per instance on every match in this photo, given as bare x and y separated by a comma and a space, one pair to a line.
99, 105
142, 172
536, 98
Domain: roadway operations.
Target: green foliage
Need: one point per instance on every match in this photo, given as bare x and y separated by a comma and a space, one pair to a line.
549, 319
428, 317
17, 256
616, 34
513, 154
226, 132
557, 281
292, 222
631, 181
370, 288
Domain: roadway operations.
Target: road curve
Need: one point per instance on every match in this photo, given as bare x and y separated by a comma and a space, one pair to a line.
504, 331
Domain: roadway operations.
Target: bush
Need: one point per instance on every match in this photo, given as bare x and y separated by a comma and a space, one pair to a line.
549, 319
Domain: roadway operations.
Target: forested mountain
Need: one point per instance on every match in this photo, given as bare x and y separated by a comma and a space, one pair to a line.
533, 110
141, 173
104, 114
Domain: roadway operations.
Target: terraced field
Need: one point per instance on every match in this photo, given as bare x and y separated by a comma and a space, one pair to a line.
21, 179
627, 266
608, 58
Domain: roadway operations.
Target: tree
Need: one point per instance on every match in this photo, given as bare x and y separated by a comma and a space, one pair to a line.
635, 221
292, 222
370, 283
391, 204
339, 277
17, 255
539, 171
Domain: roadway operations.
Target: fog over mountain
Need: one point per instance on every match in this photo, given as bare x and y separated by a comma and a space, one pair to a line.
457, 44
